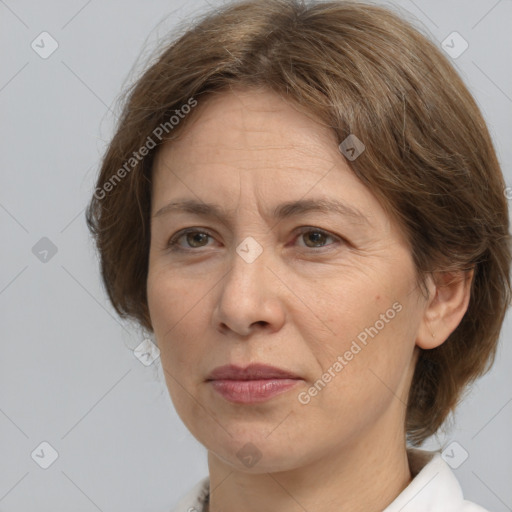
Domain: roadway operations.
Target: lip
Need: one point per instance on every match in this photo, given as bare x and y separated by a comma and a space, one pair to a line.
252, 391
255, 371
254, 384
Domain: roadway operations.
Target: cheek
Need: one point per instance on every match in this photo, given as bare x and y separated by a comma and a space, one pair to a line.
368, 347
168, 305
177, 310
171, 307
166, 298
344, 313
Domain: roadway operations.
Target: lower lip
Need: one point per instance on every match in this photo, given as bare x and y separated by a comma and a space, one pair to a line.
252, 391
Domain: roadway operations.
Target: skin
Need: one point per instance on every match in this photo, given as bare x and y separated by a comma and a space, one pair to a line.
298, 306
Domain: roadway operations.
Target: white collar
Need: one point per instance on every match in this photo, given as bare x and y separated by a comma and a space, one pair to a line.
434, 488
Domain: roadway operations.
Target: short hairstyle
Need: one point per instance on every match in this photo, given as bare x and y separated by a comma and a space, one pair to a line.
359, 69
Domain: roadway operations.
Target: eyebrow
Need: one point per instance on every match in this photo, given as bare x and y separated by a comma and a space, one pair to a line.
282, 211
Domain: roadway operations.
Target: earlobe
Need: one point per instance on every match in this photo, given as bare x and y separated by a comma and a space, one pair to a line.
445, 308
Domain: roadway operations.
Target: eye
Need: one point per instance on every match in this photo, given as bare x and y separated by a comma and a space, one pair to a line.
316, 236
196, 238
193, 237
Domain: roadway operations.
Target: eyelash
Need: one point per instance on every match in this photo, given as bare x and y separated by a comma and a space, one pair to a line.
173, 241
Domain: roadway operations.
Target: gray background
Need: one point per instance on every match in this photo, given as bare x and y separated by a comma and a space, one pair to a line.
69, 375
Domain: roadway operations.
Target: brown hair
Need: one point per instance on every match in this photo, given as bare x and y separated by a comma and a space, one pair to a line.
361, 70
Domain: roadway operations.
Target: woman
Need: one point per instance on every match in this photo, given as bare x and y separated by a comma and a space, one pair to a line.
303, 204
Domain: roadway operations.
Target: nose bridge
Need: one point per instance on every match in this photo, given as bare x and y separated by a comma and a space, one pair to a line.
250, 250
247, 296
248, 266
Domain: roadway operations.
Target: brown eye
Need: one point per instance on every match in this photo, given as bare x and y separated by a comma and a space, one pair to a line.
194, 239
315, 237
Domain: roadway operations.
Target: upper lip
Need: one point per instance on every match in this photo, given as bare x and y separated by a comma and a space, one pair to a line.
254, 371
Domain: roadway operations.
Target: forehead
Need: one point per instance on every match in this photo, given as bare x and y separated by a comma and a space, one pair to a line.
256, 120
279, 152
257, 137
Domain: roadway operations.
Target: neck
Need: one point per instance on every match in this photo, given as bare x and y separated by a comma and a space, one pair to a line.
364, 476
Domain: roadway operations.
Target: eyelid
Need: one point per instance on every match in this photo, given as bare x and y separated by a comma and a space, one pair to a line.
173, 241
306, 229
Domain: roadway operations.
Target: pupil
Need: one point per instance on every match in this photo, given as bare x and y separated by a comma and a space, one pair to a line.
195, 237
316, 236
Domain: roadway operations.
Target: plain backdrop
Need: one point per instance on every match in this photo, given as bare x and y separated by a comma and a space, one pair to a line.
74, 396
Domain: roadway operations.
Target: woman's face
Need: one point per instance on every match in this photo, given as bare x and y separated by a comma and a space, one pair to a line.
326, 295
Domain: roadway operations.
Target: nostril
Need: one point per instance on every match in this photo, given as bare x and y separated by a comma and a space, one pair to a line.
223, 328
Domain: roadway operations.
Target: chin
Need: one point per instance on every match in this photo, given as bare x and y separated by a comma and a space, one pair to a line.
258, 453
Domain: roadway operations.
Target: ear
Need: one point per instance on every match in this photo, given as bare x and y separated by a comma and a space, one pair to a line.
448, 302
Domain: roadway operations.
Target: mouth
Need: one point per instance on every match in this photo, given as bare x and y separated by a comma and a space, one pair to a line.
254, 384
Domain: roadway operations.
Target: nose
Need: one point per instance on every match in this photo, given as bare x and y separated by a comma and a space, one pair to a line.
250, 297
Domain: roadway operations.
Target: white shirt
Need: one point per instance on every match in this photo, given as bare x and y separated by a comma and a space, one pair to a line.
434, 488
